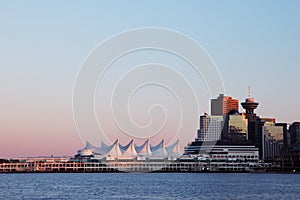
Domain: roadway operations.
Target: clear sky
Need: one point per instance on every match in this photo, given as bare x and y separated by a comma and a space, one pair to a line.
43, 43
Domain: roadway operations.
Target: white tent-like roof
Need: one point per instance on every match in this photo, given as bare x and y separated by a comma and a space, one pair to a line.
158, 146
115, 150
159, 150
144, 149
174, 149
132, 150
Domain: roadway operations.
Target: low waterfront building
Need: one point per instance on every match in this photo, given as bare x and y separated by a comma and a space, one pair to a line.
224, 156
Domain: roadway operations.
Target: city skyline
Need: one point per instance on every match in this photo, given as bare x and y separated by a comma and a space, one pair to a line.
196, 134
258, 48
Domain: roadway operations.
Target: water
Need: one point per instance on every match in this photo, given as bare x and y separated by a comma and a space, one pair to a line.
150, 186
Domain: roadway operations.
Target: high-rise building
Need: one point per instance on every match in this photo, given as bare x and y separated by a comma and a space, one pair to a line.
210, 128
256, 136
294, 130
237, 127
223, 104
286, 138
273, 140
203, 126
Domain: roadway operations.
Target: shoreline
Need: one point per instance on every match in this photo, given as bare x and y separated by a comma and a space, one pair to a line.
148, 172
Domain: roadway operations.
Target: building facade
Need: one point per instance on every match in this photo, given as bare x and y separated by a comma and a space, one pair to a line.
223, 104
237, 127
273, 140
210, 127
294, 131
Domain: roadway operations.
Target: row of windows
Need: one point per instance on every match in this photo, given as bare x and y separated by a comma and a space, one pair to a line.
234, 156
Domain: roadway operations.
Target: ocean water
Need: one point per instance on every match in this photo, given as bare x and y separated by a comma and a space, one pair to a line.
149, 186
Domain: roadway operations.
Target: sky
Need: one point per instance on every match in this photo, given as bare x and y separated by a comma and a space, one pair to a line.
43, 44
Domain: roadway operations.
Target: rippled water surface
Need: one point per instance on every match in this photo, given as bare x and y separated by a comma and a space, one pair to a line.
150, 186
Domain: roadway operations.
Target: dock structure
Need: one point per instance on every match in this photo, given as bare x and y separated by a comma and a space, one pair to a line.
180, 165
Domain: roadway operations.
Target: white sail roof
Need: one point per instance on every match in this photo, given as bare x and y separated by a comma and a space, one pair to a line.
158, 146
174, 149
130, 149
146, 149
124, 148
96, 150
115, 151
159, 150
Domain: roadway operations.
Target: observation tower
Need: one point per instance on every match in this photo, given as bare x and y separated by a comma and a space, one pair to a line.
249, 105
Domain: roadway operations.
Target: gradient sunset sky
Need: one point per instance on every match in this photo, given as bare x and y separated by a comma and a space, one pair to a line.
43, 43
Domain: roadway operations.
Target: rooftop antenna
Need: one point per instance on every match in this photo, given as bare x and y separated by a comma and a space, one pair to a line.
249, 91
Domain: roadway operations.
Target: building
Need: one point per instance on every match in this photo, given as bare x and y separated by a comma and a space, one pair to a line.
223, 156
250, 105
255, 125
223, 104
222, 143
237, 127
210, 128
286, 137
268, 120
294, 131
130, 150
256, 136
273, 140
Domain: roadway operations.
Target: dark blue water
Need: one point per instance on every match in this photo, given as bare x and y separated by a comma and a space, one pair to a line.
150, 186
